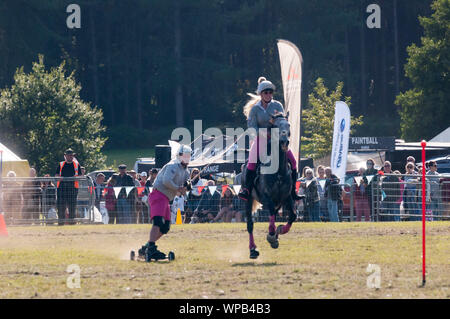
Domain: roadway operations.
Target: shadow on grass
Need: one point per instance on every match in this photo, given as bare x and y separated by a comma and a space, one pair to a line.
253, 264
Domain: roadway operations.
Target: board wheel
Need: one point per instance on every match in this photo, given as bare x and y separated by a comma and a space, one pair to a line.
171, 255
132, 255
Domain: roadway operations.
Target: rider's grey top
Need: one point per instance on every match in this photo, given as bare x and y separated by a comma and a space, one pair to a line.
172, 176
259, 117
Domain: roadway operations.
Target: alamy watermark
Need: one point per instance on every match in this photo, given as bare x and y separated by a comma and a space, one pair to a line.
74, 19
374, 279
374, 19
73, 280
235, 144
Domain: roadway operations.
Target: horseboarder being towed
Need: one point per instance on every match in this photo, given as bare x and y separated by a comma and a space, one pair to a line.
172, 178
259, 111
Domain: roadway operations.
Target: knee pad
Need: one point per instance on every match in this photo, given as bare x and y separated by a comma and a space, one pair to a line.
164, 225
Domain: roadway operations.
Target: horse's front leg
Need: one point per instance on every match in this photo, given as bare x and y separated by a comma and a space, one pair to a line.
289, 206
252, 246
272, 236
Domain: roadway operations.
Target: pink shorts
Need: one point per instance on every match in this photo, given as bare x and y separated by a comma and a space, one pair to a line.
159, 205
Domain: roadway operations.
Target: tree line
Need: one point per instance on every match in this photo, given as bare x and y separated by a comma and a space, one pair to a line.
153, 65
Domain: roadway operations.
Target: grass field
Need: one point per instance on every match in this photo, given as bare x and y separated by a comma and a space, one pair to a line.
116, 157
314, 260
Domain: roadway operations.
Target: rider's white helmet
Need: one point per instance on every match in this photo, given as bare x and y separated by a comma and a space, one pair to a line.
184, 154
264, 84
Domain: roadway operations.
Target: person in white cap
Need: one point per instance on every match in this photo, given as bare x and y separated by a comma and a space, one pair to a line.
172, 178
259, 112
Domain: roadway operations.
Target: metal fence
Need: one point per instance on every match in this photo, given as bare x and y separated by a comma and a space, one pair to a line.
399, 197
46, 200
40, 201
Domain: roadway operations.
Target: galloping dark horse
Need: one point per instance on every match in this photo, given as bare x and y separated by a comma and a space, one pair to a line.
273, 190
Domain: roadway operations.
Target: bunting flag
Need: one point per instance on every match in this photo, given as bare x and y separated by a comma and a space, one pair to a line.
322, 183
369, 178
224, 189
212, 189
237, 188
104, 191
358, 180
200, 189
140, 190
297, 186
128, 189
187, 193
117, 191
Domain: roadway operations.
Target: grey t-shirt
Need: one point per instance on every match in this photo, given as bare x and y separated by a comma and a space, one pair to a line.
259, 117
171, 177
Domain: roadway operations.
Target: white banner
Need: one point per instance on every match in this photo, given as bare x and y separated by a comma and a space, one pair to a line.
340, 140
291, 75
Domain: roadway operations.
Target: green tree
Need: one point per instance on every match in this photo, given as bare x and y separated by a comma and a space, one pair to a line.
424, 109
318, 120
42, 115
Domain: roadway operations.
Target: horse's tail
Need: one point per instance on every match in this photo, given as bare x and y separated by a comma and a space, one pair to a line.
256, 205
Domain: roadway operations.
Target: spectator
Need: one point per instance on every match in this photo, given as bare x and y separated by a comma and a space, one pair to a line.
134, 199
153, 173
143, 179
333, 193
208, 207
226, 212
312, 196
390, 185
238, 177
410, 193
31, 193
99, 185
134, 176
399, 201
361, 201
370, 178
239, 206
11, 198
301, 204
194, 196
48, 198
321, 179
67, 192
110, 200
435, 202
411, 159
177, 203
124, 202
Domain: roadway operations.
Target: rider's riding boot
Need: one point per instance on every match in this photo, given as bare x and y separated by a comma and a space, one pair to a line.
246, 190
294, 195
153, 253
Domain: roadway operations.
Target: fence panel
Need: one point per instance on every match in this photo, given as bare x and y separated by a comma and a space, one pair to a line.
47, 200
399, 197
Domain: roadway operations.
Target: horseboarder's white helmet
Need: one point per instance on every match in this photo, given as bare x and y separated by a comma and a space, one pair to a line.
184, 154
264, 84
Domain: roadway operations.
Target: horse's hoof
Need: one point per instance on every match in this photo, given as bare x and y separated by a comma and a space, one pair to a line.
273, 240
279, 230
254, 253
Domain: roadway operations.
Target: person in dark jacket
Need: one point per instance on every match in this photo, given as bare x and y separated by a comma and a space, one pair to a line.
390, 185
312, 199
124, 204
208, 207
369, 178
333, 193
